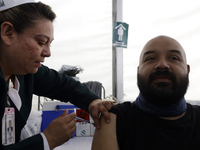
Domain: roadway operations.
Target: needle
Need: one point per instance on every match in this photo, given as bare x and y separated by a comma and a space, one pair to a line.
84, 120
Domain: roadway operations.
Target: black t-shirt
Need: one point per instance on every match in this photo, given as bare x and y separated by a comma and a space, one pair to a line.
137, 130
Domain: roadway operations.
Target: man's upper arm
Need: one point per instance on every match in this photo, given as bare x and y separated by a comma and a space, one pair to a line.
105, 138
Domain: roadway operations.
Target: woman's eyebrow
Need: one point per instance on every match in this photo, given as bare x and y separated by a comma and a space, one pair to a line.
42, 35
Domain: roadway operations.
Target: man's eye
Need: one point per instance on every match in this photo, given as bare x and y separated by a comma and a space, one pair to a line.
174, 58
150, 58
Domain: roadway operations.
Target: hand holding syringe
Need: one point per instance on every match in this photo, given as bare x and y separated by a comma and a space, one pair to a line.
63, 107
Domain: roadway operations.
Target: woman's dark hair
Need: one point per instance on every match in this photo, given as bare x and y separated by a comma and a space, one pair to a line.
27, 15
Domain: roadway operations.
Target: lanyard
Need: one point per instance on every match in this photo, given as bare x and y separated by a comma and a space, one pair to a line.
8, 121
10, 85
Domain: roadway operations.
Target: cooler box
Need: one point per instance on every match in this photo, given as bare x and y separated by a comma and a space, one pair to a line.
54, 109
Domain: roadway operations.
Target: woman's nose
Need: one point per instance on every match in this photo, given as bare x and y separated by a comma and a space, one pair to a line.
46, 52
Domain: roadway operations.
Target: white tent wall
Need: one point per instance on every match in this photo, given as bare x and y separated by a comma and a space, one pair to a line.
83, 37
147, 19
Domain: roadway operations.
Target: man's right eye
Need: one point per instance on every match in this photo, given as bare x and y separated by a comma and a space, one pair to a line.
150, 59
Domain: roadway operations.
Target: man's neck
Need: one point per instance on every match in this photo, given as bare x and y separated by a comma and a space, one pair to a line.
173, 118
172, 112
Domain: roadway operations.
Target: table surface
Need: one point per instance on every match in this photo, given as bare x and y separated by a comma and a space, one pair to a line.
77, 143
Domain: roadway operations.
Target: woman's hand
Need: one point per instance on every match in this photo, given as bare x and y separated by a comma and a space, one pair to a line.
98, 107
61, 129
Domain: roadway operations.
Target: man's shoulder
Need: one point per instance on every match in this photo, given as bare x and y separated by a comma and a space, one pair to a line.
122, 108
124, 105
193, 109
193, 106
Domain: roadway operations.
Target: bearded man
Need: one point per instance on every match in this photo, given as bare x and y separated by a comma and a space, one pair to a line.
159, 118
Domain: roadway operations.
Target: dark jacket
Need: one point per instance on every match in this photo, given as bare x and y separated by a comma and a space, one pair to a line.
46, 82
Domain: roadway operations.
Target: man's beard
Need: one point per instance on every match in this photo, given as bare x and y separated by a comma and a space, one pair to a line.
163, 93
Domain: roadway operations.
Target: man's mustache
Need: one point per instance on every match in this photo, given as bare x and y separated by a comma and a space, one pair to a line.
163, 73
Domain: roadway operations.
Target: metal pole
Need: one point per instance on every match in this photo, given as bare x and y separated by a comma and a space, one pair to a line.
117, 61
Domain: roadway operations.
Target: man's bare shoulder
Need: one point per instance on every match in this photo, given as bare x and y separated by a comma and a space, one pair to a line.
105, 138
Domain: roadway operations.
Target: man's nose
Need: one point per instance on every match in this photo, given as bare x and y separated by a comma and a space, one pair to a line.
162, 64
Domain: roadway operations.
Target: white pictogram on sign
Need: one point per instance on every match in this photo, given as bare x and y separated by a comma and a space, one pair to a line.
120, 31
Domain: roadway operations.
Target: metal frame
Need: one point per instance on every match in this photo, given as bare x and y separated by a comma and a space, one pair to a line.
117, 61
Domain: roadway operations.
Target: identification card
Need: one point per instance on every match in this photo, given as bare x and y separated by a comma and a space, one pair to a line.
8, 126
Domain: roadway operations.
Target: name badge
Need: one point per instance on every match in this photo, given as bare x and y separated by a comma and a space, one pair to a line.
8, 126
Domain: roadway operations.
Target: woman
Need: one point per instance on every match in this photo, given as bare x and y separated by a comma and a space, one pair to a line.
26, 35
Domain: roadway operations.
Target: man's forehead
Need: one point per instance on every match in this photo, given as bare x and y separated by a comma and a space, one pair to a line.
175, 51
162, 43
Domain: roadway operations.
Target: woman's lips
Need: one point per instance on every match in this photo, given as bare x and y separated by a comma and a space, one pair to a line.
38, 63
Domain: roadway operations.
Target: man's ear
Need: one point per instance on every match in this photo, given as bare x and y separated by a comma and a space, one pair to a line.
188, 67
7, 30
